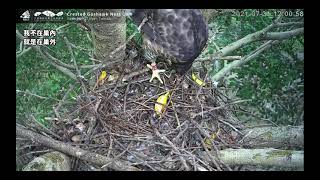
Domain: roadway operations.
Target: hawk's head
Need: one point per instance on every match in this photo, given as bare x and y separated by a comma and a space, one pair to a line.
179, 34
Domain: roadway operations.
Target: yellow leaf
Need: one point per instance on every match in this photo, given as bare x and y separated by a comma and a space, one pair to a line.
212, 138
163, 99
102, 75
208, 141
197, 80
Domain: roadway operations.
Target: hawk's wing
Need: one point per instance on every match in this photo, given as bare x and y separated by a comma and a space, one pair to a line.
180, 33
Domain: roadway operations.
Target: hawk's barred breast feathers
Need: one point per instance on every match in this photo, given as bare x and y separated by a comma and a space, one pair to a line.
178, 34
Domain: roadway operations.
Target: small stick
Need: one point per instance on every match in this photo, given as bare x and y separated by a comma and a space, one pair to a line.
122, 84
64, 97
183, 161
202, 131
110, 147
180, 134
193, 156
176, 116
73, 59
216, 108
117, 157
127, 149
208, 152
125, 97
230, 126
38, 96
33, 152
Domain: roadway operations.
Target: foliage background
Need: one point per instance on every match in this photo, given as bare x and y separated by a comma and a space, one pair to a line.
274, 81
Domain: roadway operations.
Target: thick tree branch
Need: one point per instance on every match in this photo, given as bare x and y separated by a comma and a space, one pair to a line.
246, 40
263, 157
283, 35
290, 24
242, 61
274, 38
227, 58
276, 137
260, 35
75, 151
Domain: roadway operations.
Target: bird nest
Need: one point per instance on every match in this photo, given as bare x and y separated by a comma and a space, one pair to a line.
118, 120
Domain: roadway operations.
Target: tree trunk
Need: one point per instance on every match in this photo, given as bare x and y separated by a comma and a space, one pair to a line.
108, 35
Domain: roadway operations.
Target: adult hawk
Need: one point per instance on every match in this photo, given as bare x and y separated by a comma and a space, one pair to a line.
177, 34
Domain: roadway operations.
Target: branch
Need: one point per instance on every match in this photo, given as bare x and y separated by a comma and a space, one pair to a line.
55, 60
260, 35
290, 24
283, 35
175, 149
23, 52
62, 69
56, 109
212, 158
277, 137
194, 115
35, 95
263, 157
245, 40
74, 151
242, 61
73, 59
256, 36
227, 58
59, 62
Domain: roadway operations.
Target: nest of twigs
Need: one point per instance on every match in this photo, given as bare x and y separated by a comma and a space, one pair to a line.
118, 120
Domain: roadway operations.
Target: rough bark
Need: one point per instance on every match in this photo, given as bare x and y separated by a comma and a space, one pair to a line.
263, 157
53, 161
276, 137
74, 151
108, 35
284, 35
